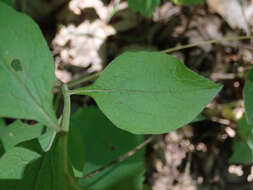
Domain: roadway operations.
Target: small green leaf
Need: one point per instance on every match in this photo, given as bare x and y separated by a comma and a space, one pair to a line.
245, 147
187, 2
9, 2
18, 132
148, 92
46, 139
26, 69
145, 7
94, 142
242, 154
248, 96
22, 168
245, 130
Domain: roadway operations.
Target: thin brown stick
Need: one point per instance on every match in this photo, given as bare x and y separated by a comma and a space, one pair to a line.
206, 42
120, 159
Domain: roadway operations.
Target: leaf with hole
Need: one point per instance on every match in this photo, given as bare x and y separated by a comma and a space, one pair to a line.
148, 92
94, 142
145, 7
26, 69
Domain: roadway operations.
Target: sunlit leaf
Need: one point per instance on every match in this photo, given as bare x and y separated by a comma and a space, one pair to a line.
148, 92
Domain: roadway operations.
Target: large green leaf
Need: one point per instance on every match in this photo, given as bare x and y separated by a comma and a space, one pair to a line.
26, 69
147, 92
94, 142
244, 147
187, 2
145, 7
18, 132
248, 96
22, 168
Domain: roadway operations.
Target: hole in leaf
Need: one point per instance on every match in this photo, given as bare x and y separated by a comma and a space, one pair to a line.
16, 65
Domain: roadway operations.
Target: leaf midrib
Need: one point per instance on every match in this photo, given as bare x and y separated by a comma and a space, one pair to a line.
34, 102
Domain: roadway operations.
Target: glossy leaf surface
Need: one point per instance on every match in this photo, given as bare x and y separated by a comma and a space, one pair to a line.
148, 92
26, 69
94, 142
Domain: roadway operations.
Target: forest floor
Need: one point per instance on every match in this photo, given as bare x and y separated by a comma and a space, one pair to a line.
89, 34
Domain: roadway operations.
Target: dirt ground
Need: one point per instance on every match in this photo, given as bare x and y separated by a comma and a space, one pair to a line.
86, 35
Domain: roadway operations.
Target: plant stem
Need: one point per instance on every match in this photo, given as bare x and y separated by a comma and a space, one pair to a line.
206, 42
66, 109
120, 159
82, 79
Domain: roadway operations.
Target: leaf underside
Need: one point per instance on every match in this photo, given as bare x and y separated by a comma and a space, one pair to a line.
150, 93
26, 69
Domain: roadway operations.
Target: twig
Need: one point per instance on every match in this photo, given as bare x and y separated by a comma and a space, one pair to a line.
120, 159
82, 79
206, 42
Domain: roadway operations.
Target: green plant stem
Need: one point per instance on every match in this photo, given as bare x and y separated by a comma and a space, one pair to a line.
82, 79
66, 109
206, 42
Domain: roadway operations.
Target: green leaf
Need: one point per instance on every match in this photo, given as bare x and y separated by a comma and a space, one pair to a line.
199, 117
148, 92
18, 132
245, 130
22, 168
242, 154
248, 96
2, 125
147, 188
187, 2
46, 139
245, 147
9, 2
145, 7
94, 142
26, 69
